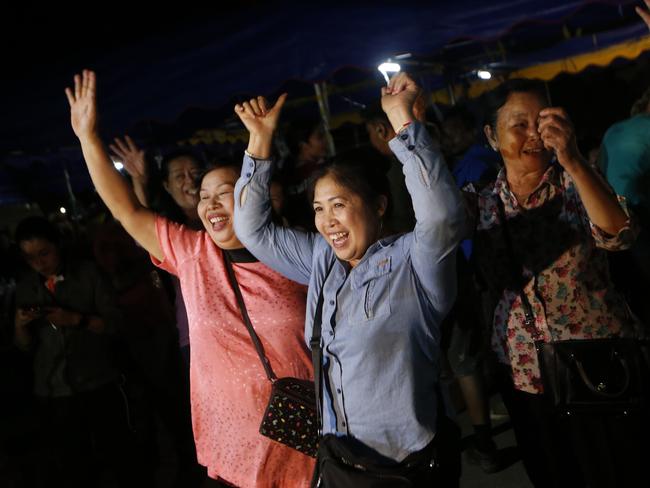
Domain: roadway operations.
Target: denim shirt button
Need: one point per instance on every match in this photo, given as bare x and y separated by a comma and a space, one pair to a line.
248, 175
332, 303
338, 390
410, 147
404, 137
331, 333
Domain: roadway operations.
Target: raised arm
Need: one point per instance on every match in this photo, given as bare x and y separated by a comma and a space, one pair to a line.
113, 189
601, 204
287, 251
132, 157
437, 204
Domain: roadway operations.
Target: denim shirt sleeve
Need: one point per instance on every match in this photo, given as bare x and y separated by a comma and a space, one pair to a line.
287, 251
439, 213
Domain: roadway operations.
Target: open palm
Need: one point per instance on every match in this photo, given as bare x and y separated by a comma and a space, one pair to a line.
131, 156
83, 105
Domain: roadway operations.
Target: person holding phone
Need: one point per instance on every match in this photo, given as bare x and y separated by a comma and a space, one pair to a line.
66, 316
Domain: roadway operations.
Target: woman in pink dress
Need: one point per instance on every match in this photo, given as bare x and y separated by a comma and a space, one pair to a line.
229, 389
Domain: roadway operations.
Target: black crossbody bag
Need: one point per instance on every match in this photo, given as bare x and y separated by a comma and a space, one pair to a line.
339, 465
290, 417
587, 376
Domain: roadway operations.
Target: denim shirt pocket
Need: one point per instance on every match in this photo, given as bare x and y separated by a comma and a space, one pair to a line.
372, 289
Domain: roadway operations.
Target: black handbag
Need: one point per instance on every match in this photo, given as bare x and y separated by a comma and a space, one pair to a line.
607, 376
595, 376
340, 465
290, 417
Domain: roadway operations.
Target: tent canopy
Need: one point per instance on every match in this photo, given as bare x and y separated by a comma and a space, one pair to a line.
189, 76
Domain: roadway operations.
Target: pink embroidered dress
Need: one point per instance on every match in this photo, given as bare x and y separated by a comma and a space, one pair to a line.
229, 390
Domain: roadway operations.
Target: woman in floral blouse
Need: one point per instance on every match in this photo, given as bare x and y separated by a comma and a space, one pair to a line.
561, 218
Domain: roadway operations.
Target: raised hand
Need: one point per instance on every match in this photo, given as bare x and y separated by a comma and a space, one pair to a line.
602, 206
258, 117
111, 186
558, 134
261, 121
398, 98
131, 156
644, 13
83, 104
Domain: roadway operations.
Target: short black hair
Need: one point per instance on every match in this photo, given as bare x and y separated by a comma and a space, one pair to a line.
36, 228
360, 171
298, 131
463, 114
217, 163
374, 113
497, 98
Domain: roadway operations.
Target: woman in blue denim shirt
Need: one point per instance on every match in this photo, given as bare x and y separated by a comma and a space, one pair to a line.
383, 297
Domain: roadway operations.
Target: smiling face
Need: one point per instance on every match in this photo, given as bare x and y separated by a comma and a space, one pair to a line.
349, 224
516, 136
216, 206
180, 182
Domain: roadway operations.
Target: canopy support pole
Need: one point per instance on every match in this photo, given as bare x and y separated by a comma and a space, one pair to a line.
324, 109
548, 93
450, 92
68, 184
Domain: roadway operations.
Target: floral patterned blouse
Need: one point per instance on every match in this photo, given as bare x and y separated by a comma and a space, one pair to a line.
561, 260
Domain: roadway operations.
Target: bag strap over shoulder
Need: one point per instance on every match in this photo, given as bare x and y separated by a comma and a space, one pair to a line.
247, 321
317, 351
516, 267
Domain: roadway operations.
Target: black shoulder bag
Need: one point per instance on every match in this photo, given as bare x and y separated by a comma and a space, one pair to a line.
587, 376
340, 466
290, 416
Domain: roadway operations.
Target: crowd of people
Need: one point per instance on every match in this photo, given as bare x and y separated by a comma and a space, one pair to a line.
438, 258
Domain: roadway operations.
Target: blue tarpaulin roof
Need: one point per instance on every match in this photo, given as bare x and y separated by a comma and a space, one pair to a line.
210, 62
